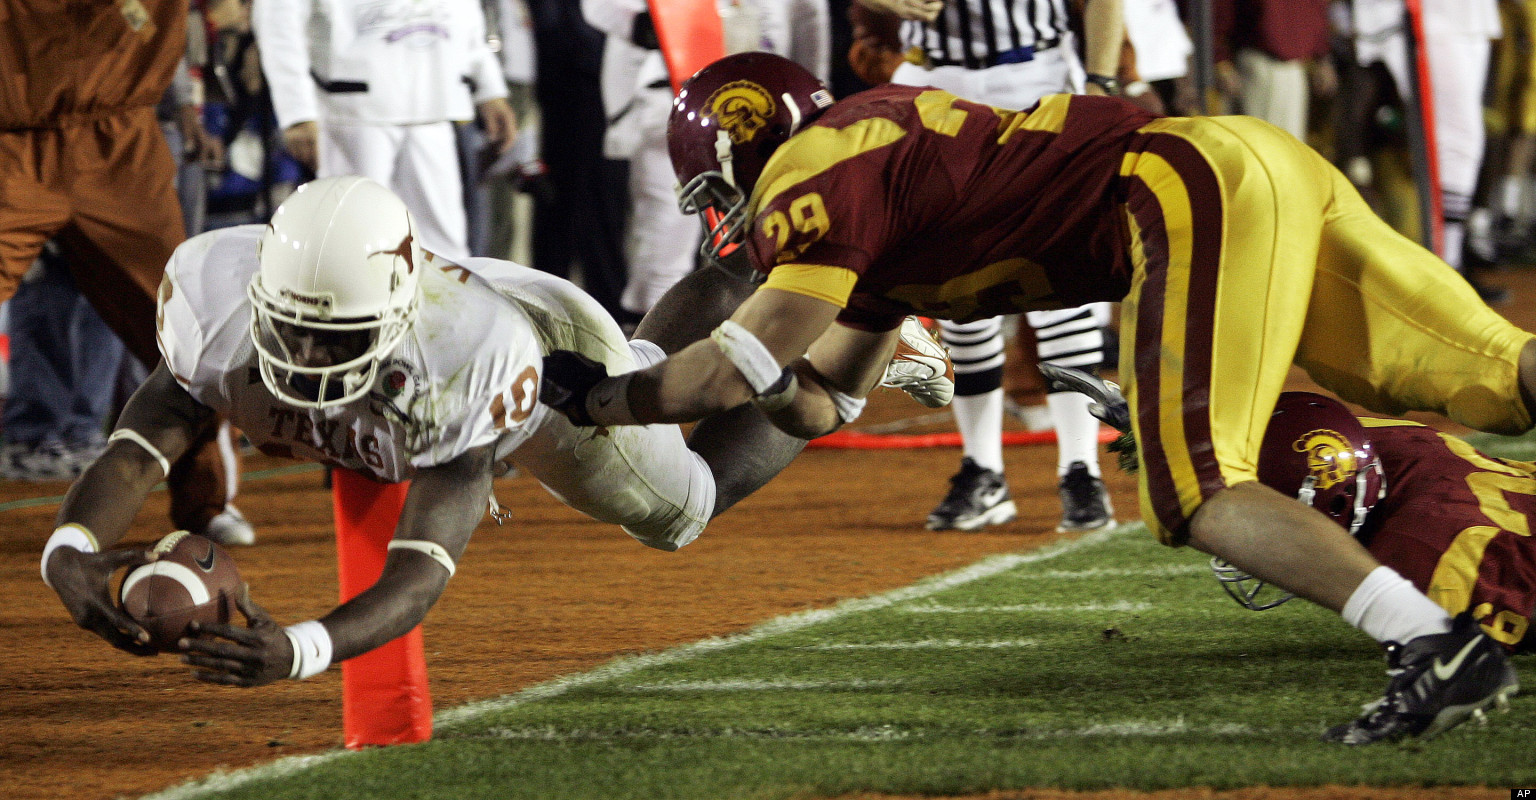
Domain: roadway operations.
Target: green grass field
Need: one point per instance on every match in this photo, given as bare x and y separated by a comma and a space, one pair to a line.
1109, 661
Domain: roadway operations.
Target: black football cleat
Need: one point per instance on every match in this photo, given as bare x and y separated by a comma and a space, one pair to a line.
1438, 682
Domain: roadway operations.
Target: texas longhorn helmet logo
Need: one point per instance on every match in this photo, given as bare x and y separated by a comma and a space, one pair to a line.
742, 108
1331, 458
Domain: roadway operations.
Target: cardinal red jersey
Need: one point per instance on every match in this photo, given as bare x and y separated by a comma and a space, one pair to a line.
1457, 524
908, 199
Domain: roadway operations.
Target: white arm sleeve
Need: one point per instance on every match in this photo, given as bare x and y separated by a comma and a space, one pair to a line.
613, 17
281, 33
483, 66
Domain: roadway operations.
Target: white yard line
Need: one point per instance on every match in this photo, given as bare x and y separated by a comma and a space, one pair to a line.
1132, 728
924, 644
1030, 608
1095, 573
748, 685
448, 718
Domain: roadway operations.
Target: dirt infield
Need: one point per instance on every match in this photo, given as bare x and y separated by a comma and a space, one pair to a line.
549, 594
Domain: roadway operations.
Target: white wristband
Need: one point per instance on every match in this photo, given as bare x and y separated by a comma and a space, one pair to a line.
311, 649
608, 402
748, 354
433, 550
72, 535
848, 407
138, 439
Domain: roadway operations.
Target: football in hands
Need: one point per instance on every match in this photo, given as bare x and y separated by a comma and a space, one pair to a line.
194, 580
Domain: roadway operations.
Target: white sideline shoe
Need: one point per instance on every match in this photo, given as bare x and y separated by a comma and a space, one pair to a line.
231, 529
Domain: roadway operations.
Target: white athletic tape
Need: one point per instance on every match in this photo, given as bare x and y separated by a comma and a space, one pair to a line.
70, 534
311, 649
848, 407
433, 550
750, 356
133, 436
646, 353
179, 573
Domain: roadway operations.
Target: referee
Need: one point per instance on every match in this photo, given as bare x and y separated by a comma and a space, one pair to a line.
1010, 53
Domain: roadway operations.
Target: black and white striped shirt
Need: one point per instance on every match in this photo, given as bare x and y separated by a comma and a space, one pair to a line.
977, 34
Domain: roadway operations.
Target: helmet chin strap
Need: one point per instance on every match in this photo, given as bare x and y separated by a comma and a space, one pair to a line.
794, 112
723, 155
1362, 509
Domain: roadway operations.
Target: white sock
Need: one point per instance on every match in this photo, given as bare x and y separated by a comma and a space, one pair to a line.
1388, 608
1452, 235
1077, 431
1510, 189
980, 420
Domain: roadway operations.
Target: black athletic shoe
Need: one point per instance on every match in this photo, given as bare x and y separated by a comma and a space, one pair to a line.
1085, 502
1438, 682
977, 497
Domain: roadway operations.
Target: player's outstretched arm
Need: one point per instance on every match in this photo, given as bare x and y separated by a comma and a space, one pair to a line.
742, 359
155, 428
441, 511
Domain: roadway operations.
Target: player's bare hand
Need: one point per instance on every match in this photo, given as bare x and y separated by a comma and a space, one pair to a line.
302, 141
82, 581
499, 122
924, 10
199, 145
568, 379
255, 654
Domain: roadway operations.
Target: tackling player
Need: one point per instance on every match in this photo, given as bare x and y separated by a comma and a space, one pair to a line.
330, 335
1431, 507
1234, 249
1450, 519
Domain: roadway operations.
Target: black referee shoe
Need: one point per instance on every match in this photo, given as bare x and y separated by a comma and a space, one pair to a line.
1085, 502
1438, 682
977, 497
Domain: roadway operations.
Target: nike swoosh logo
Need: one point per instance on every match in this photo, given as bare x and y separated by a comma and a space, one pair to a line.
936, 365
206, 563
1444, 670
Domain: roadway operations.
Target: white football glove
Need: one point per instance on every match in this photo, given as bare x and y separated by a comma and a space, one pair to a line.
921, 366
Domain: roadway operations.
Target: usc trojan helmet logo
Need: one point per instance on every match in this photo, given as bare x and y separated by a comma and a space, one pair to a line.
742, 108
1330, 456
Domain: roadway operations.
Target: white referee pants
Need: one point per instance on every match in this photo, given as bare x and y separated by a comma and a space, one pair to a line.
418, 162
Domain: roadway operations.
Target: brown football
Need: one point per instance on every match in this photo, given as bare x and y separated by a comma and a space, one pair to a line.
194, 580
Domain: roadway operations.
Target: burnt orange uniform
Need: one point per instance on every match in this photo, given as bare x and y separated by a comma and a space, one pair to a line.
81, 154
83, 160
1458, 524
1235, 249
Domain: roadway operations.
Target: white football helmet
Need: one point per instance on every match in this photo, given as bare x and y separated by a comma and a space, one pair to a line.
335, 291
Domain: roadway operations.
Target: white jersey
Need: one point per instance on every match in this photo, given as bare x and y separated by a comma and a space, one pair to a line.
457, 381
382, 62
465, 376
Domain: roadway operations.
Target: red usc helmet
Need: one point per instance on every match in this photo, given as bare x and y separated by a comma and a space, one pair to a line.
726, 121
1317, 451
